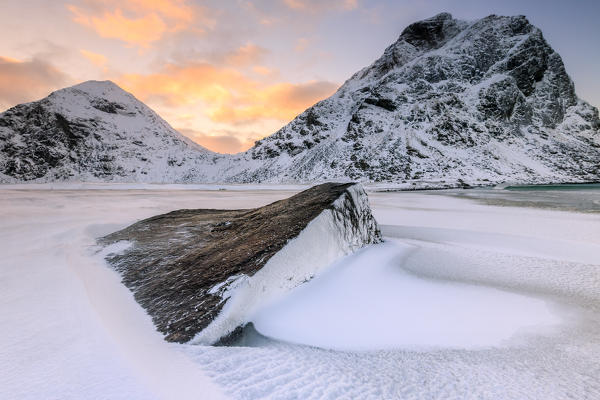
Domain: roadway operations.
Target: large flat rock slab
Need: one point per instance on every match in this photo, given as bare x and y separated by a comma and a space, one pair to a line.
200, 273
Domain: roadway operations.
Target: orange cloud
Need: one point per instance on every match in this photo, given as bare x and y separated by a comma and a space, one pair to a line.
137, 22
222, 143
245, 55
318, 5
262, 70
226, 95
301, 44
23, 81
281, 101
177, 10
141, 31
97, 59
178, 86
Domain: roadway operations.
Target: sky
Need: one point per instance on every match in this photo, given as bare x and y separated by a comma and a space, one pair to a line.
227, 73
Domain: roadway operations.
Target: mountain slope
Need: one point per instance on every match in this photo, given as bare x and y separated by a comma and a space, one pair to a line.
449, 101
95, 131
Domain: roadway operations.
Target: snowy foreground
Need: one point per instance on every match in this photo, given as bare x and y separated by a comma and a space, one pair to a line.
469, 297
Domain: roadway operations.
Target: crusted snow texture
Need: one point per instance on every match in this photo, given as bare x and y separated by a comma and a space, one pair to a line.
202, 273
450, 102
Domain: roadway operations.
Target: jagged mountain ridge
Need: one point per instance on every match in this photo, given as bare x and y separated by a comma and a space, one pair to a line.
449, 102
483, 101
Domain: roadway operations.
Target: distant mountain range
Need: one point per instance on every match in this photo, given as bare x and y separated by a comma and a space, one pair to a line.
449, 103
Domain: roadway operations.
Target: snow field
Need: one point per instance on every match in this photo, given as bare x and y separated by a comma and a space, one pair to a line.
70, 330
530, 273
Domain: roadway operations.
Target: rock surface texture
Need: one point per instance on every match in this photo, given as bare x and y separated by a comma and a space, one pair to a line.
450, 102
201, 273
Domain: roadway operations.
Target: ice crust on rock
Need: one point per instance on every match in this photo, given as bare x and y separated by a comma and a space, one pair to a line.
202, 273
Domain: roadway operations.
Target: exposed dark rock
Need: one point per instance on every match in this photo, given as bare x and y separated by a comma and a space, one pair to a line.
429, 33
312, 118
177, 258
107, 106
386, 104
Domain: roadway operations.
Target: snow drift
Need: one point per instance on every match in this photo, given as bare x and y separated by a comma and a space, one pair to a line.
368, 302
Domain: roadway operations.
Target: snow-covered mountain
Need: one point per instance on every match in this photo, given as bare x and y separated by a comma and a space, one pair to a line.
449, 102
95, 131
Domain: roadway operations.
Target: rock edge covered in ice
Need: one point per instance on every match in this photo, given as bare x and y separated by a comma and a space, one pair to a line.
201, 273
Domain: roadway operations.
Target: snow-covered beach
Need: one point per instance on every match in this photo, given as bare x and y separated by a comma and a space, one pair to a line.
488, 300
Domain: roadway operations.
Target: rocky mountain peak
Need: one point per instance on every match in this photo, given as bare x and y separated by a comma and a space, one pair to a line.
430, 33
93, 131
98, 88
486, 100
87, 98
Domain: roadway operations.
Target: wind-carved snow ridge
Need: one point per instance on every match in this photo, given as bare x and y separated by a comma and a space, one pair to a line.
347, 226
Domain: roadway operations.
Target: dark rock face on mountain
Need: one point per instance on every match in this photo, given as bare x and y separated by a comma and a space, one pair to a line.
184, 266
94, 131
483, 101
